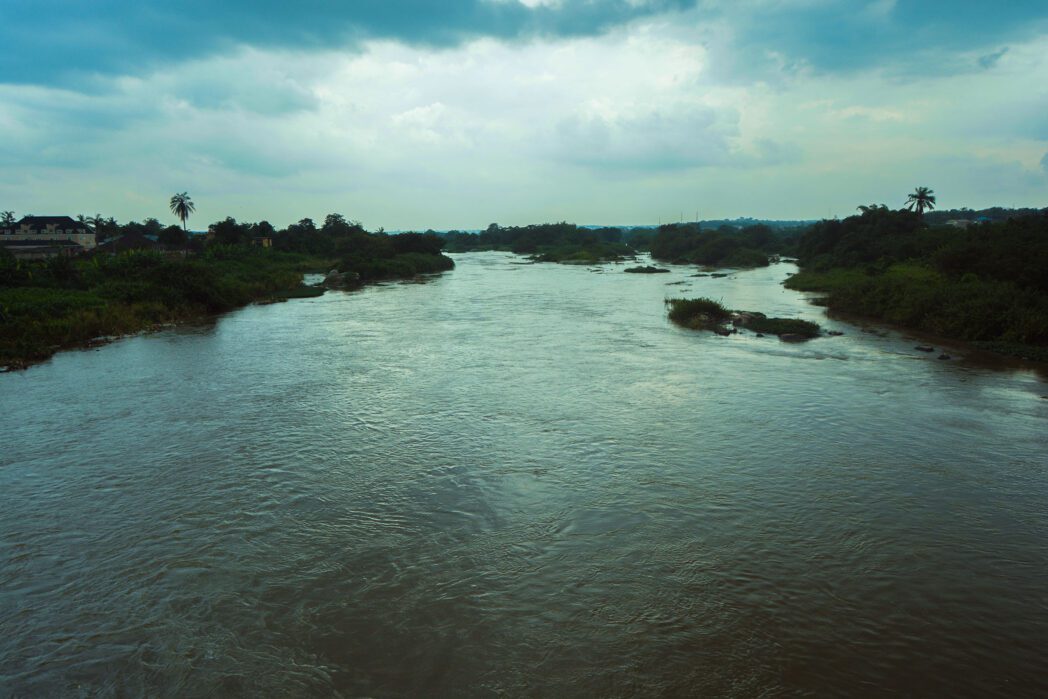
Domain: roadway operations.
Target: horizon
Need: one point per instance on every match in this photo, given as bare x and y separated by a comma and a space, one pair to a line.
406, 117
392, 231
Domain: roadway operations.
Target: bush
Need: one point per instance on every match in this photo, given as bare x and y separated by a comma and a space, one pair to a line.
698, 314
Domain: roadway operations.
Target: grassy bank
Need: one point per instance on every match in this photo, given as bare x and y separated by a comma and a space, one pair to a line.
999, 315
985, 285
49, 305
65, 302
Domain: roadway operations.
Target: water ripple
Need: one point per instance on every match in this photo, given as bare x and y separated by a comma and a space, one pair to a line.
520, 484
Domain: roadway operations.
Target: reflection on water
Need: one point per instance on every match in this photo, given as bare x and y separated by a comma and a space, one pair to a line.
524, 483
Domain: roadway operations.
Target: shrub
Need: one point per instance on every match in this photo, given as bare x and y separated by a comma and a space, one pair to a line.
701, 313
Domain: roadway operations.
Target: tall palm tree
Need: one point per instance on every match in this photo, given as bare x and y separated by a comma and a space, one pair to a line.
921, 199
7, 218
182, 206
99, 225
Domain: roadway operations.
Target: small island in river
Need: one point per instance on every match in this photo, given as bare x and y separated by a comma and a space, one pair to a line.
707, 314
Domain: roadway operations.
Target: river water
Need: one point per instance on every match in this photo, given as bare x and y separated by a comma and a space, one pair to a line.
521, 480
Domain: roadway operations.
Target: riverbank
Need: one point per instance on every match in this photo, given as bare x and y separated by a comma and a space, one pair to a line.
990, 316
62, 303
983, 285
65, 303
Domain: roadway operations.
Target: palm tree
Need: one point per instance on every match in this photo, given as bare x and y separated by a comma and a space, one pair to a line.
871, 208
921, 199
99, 225
7, 218
182, 206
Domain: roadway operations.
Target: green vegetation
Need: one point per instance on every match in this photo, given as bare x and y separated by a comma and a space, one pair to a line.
985, 284
300, 292
994, 214
588, 253
923, 198
48, 305
726, 246
182, 206
547, 242
759, 323
62, 302
698, 314
707, 314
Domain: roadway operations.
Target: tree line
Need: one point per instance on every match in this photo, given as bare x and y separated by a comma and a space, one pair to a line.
985, 283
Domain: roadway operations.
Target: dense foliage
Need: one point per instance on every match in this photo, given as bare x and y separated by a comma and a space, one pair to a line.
759, 323
986, 283
726, 246
990, 215
49, 304
701, 313
547, 242
707, 314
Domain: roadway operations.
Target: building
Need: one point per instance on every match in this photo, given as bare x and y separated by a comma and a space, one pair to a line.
47, 236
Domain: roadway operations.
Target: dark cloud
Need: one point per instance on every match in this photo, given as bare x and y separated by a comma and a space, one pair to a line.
63, 41
69, 42
908, 39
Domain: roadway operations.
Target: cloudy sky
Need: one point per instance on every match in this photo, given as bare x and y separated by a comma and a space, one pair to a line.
454, 114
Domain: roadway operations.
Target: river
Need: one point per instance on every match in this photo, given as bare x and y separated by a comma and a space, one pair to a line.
521, 480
